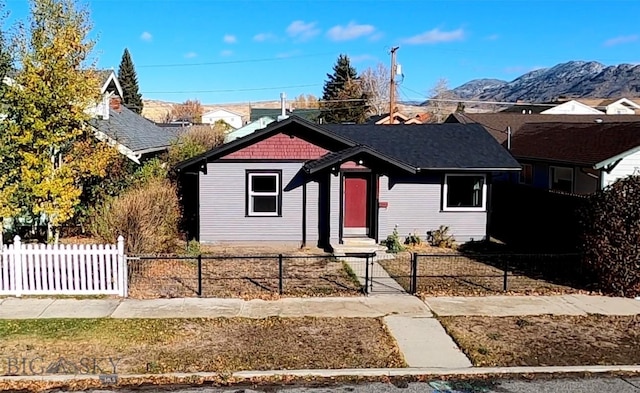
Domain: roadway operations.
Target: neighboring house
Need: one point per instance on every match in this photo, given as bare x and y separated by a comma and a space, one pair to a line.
501, 124
248, 129
133, 135
311, 115
577, 158
299, 182
399, 118
572, 107
622, 106
231, 118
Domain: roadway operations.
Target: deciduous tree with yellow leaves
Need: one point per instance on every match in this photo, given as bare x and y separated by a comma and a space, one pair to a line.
50, 149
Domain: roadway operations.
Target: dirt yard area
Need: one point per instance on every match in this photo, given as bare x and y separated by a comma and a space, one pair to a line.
191, 345
443, 272
547, 340
246, 272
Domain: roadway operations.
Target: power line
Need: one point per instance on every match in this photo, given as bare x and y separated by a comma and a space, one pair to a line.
229, 90
259, 60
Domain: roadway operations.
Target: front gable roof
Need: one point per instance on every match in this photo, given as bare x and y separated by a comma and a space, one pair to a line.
108, 79
593, 145
288, 125
336, 158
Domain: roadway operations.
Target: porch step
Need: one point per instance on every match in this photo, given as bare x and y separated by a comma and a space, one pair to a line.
359, 242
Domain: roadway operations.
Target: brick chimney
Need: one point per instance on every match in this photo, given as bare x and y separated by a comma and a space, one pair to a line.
115, 103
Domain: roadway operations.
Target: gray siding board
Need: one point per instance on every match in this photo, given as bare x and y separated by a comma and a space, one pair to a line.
416, 207
222, 206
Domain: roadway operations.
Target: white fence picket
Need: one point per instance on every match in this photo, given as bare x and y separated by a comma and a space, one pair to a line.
38, 269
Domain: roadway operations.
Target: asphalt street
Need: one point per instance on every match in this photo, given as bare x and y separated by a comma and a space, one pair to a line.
588, 385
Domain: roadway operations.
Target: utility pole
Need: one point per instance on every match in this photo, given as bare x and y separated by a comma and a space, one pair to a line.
392, 84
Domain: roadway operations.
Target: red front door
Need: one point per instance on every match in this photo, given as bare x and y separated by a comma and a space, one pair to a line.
355, 201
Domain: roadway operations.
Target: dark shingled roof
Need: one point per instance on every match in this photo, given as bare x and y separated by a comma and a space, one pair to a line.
134, 131
581, 144
496, 123
410, 147
431, 146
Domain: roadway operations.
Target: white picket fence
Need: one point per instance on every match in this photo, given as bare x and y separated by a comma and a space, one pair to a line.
63, 269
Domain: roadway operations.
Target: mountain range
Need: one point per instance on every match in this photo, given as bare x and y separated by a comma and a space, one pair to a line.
574, 79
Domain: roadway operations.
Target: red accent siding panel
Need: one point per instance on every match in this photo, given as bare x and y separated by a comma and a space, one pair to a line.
280, 147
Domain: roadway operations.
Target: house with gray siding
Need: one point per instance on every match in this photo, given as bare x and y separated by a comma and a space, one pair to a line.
320, 185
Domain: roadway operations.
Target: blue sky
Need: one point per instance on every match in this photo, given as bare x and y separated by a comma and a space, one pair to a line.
239, 51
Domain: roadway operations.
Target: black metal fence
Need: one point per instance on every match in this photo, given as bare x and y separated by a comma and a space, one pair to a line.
255, 276
264, 276
467, 274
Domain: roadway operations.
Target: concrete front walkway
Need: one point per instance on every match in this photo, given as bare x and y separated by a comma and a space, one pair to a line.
502, 306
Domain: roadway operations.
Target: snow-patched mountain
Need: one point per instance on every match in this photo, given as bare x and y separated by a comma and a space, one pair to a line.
573, 79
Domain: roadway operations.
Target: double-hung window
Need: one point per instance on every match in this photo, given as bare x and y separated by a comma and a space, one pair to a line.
462, 192
264, 193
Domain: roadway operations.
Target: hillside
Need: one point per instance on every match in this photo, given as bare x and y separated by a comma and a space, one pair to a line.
575, 79
156, 110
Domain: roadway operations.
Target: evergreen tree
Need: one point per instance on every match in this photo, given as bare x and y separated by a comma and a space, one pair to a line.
129, 82
344, 100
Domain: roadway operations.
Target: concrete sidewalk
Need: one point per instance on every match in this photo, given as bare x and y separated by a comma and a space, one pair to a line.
502, 306
359, 306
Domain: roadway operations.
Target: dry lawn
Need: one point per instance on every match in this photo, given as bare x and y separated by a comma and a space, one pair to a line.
253, 276
453, 274
547, 340
192, 345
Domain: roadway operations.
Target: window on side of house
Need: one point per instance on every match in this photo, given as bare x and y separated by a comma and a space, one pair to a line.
526, 174
464, 192
264, 193
561, 178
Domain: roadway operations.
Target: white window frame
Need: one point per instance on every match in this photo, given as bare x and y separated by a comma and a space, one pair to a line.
445, 193
251, 194
552, 169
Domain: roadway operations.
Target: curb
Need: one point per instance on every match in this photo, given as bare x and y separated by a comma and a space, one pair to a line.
240, 376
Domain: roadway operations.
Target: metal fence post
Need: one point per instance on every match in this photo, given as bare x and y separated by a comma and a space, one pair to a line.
280, 274
414, 273
199, 275
505, 267
366, 275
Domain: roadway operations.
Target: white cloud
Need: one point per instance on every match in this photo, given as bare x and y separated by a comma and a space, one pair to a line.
435, 36
190, 55
623, 39
229, 39
349, 32
226, 53
262, 37
302, 31
146, 36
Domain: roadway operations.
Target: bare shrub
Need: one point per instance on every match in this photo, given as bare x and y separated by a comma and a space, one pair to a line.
611, 237
147, 217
